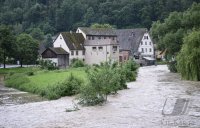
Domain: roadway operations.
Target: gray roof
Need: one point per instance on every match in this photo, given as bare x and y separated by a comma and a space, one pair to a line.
129, 39
98, 31
58, 51
74, 41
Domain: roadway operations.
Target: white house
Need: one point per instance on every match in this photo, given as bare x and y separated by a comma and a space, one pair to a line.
146, 47
137, 41
100, 45
73, 43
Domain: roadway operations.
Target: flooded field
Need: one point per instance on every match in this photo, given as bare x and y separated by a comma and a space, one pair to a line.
10, 96
158, 99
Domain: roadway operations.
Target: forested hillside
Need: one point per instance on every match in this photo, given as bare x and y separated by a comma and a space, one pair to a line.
52, 16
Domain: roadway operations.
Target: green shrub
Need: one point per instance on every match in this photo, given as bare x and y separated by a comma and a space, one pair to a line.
48, 64
172, 65
130, 70
69, 87
30, 73
77, 63
103, 80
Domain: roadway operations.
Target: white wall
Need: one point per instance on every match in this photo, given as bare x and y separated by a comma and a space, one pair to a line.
60, 42
146, 46
98, 56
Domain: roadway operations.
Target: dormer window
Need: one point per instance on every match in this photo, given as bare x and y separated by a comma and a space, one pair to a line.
146, 37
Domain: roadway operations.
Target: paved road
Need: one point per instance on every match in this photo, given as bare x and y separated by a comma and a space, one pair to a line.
158, 99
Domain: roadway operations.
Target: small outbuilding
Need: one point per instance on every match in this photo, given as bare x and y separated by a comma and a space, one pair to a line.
57, 55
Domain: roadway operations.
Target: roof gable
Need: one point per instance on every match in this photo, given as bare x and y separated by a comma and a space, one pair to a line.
74, 41
98, 31
130, 38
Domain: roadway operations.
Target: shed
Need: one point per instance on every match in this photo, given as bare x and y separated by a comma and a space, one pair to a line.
57, 55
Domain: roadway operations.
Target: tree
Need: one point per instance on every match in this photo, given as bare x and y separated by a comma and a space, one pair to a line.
7, 42
96, 25
27, 49
189, 57
37, 34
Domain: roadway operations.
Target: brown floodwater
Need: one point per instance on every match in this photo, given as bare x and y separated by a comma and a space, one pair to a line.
155, 100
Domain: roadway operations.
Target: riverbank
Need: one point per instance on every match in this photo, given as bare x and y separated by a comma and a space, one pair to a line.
138, 107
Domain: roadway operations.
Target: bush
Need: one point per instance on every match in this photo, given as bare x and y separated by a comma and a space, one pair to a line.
69, 87
30, 73
103, 80
77, 63
48, 64
130, 70
172, 65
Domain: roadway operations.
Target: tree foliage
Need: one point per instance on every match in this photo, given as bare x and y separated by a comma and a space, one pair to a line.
189, 57
27, 49
53, 16
170, 33
7, 43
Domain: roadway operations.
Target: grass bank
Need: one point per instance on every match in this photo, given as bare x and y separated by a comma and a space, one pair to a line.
43, 82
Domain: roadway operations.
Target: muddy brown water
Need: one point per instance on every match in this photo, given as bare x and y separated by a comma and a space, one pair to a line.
156, 100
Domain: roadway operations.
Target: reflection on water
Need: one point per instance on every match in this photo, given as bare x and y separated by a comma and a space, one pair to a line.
140, 106
10, 96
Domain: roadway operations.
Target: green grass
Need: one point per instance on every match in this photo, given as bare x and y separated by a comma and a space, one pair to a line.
17, 70
43, 82
46, 78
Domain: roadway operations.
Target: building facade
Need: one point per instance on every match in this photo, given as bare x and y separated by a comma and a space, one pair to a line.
100, 45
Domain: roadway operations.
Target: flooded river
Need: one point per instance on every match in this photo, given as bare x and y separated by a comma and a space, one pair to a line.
158, 99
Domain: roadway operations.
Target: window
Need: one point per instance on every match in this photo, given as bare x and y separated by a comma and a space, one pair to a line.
83, 52
89, 38
72, 53
146, 49
142, 50
145, 43
113, 38
99, 37
149, 43
61, 37
76, 52
100, 49
146, 37
92, 37
141, 43
150, 50
114, 48
104, 37
94, 49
